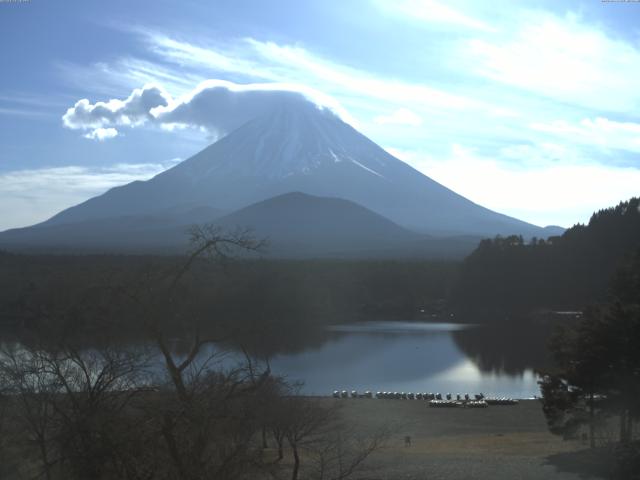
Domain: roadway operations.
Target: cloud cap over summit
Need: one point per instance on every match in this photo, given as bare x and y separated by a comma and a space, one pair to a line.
215, 106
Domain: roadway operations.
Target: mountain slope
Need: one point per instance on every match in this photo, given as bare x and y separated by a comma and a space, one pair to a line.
301, 148
295, 225
297, 222
157, 231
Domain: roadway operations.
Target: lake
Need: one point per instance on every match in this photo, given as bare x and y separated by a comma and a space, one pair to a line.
407, 357
399, 356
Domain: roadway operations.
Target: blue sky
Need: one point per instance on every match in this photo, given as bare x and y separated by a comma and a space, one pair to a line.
529, 108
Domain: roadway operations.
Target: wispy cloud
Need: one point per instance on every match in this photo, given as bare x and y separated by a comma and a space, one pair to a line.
229, 57
127, 73
23, 112
547, 192
269, 61
561, 58
435, 13
32, 196
599, 132
402, 116
25, 105
33, 100
366, 96
304, 65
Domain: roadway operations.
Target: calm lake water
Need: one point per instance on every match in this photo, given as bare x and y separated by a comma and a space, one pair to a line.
403, 357
400, 356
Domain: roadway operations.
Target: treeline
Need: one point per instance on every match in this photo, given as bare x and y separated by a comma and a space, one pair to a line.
504, 278
274, 305
508, 275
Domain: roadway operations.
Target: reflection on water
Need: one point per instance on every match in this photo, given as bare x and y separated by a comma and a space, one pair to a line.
506, 349
399, 356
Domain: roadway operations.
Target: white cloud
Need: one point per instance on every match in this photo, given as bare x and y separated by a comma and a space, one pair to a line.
273, 62
600, 132
304, 65
101, 134
561, 58
219, 106
215, 106
564, 59
548, 193
133, 111
363, 93
125, 73
26, 105
434, 12
536, 155
32, 196
230, 58
402, 116
21, 112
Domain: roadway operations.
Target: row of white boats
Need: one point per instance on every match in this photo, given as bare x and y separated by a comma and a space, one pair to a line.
478, 400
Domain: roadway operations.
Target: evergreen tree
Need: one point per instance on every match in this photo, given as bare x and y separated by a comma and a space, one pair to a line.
598, 363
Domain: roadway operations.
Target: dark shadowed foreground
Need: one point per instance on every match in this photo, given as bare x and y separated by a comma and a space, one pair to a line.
500, 442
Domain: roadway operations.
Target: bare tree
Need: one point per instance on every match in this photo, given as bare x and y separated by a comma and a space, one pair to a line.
342, 452
67, 402
23, 377
277, 416
206, 417
332, 449
95, 386
305, 421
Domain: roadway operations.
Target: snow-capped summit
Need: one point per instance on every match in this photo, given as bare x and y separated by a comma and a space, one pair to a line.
294, 139
300, 147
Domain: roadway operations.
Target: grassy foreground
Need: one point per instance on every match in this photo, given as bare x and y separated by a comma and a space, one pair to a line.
499, 442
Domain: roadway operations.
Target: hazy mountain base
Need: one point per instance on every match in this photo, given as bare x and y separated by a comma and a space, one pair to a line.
295, 225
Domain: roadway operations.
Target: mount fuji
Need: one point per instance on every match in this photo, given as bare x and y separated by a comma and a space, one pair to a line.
296, 147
